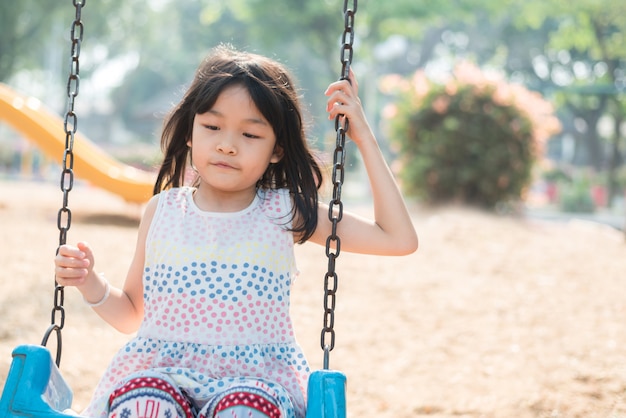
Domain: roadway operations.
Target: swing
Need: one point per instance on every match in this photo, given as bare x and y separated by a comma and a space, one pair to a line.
35, 387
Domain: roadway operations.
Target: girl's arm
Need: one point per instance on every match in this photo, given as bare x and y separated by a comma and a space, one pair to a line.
391, 232
123, 309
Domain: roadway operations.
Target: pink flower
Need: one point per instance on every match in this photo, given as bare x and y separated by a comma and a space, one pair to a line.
421, 84
390, 111
440, 105
393, 83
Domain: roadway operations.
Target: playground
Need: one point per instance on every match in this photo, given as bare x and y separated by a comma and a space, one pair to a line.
44, 129
494, 316
516, 314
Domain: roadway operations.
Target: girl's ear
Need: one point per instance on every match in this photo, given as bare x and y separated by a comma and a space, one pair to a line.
277, 155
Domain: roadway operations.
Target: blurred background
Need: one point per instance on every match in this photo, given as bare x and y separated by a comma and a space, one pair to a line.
516, 106
568, 57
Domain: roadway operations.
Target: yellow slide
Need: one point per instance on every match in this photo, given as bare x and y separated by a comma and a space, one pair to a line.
29, 117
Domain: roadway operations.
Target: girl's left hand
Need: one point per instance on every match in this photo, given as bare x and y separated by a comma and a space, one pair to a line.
343, 100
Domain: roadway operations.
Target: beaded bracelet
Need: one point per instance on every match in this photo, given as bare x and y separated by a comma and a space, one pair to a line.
107, 292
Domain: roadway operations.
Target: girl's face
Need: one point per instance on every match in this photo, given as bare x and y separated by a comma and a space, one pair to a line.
232, 144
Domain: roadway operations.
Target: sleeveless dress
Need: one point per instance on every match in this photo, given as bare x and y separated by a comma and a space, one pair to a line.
216, 301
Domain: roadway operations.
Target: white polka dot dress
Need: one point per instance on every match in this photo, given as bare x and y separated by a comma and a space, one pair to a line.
216, 300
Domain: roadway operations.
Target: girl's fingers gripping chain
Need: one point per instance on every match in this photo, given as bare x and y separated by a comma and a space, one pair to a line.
71, 265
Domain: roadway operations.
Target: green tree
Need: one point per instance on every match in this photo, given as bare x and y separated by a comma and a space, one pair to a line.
28, 25
588, 49
24, 25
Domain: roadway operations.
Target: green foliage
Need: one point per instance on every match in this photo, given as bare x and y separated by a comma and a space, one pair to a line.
576, 196
556, 175
25, 26
585, 25
563, 48
471, 139
621, 178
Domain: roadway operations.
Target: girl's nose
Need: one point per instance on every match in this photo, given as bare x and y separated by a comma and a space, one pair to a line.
227, 146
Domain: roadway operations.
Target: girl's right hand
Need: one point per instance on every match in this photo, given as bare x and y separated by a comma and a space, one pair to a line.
73, 264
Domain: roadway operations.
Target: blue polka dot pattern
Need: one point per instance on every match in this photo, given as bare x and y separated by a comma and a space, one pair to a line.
216, 302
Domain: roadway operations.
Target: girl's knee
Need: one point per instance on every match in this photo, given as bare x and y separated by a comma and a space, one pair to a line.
148, 397
246, 404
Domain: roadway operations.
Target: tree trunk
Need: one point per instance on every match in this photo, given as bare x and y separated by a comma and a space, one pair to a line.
615, 161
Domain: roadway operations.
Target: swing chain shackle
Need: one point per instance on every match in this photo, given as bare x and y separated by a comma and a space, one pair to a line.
64, 215
335, 208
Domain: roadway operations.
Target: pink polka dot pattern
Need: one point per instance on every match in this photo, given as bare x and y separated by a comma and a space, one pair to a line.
216, 300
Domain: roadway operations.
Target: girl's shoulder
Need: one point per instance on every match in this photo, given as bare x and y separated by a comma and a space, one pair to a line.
178, 191
176, 198
273, 197
273, 192
175, 194
276, 203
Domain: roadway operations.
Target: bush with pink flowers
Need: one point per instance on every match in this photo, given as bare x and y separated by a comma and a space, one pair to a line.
472, 139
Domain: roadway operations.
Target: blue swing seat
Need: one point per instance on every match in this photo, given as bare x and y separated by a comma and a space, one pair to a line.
326, 394
34, 386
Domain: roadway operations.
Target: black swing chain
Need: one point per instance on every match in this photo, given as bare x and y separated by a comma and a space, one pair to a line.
335, 209
64, 216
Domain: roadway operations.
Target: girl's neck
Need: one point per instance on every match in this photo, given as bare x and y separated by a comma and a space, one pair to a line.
211, 200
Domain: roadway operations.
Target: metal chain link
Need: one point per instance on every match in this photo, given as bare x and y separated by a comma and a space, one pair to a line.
335, 208
64, 216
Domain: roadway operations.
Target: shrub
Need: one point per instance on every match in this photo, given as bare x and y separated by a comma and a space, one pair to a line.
576, 196
471, 139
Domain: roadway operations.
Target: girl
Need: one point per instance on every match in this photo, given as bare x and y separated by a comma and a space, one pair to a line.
208, 288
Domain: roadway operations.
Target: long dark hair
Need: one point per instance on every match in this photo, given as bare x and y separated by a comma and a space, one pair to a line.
274, 94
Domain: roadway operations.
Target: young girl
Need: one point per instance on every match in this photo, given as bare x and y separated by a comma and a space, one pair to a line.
209, 286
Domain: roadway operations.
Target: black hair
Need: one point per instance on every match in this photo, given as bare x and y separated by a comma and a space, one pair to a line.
273, 92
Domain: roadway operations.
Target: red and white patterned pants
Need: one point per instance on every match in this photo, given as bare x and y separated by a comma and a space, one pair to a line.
155, 397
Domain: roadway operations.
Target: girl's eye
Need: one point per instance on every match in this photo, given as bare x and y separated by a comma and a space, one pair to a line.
252, 136
211, 127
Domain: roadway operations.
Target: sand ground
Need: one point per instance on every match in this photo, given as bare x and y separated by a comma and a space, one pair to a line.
493, 316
